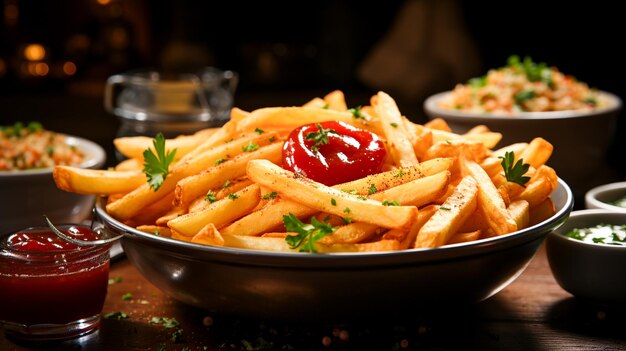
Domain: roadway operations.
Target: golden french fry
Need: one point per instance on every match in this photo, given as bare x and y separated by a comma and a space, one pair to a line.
326, 199
218, 213
539, 187
133, 147
490, 201
489, 139
315, 103
171, 214
375, 246
205, 201
335, 100
449, 217
407, 239
395, 131
537, 153
237, 114
94, 181
208, 235
438, 124
154, 211
520, 212
256, 243
192, 187
464, 237
291, 117
131, 164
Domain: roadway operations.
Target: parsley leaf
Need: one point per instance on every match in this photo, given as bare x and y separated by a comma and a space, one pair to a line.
372, 189
269, 196
391, 203
514, 173
307, 235
259, 130
524, 96
320, 137
233, 196
127, 296
356, 112
210, 197
156, 166
116, 315
249, 147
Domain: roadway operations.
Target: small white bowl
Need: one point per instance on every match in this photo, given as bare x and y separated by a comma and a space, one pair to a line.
601, 196
581, 139
28, 195
589, 271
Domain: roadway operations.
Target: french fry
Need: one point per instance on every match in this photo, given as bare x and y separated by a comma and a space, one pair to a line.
444, 223
438, 124
407, 239
315, 103
208, 235
490, 200
542, 211
237, 114
192, 187
537, 153
539, 187
133, 147
520, 212
130, 164
335, 100
205, 201
93, 181
156, 230
323, 198
464, 237
396, 133
290, 118
218, 213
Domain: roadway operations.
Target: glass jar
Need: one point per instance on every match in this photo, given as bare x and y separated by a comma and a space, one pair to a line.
50, 288
148, 102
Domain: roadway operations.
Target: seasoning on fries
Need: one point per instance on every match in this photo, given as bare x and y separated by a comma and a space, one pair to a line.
324, 178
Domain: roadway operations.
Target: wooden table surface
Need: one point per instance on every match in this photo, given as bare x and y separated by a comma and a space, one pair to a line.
533, 313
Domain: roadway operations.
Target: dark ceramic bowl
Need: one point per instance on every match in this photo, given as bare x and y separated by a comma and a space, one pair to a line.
297, 286
581, 139
592, 272
29, 194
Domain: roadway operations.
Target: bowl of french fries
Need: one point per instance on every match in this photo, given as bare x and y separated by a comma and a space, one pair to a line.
232, 220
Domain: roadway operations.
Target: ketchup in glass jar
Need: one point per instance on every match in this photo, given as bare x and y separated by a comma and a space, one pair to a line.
51, 288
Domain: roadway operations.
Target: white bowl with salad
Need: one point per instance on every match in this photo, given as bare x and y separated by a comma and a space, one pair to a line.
28, 154
525, 99
587, 255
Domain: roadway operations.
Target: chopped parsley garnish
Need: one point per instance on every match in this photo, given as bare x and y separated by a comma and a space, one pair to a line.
156, 166
219, 160
372, 189
346, 210
115, 280
326, 106
307, 234
333, 202
233, 196
356, 112
210, 197
514, 172
127, 296
478, 82
350, 191
391, 203
393, 124
591, 100
524, 96
346, 220
226, 184
361, 197
259, 130
249, 147
399, 174
534, 71
166, 322
444, 208
271, 139
269, 196
320, 137
116, 315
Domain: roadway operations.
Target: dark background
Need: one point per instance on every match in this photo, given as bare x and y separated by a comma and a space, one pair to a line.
285, 52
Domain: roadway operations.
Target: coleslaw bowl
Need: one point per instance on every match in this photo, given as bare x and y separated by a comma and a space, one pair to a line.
27, 195
581, 139
301, 286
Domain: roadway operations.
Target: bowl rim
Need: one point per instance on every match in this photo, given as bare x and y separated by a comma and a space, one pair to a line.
353, 260
560, 234
431, 108
592, 201
95, 158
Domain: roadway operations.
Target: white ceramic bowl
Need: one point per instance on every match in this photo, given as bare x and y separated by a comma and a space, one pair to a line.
580, 138
28, 195
592, 272
601, 196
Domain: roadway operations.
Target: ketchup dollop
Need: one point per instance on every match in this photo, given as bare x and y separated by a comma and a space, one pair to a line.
333, 152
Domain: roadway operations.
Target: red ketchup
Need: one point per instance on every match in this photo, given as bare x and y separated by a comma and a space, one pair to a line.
333, 152
51, 288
